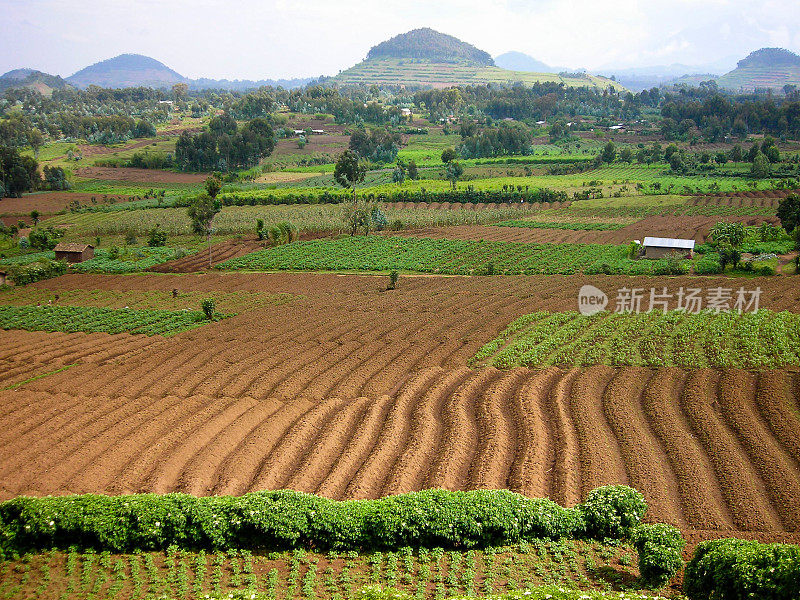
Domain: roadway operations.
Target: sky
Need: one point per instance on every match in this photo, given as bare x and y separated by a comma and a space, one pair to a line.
261, 39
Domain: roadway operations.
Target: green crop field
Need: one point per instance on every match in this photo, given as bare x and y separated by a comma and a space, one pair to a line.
763, 339
89, 319
570, 570
453, 257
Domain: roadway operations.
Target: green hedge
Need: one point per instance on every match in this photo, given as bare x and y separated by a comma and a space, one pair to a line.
738, 569
264, 197
287, 519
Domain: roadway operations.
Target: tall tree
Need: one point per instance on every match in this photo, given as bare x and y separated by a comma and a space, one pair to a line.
349, 171
202, 212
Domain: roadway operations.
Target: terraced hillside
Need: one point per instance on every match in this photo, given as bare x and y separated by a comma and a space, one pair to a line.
351, 391
426, 73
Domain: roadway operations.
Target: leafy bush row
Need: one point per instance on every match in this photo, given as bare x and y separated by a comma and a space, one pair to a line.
285, 519
734, 569
264, 197
23, 274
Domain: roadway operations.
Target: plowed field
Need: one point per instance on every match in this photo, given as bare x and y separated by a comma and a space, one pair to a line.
351, 391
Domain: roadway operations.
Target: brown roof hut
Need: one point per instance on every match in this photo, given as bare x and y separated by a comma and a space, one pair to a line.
74, 253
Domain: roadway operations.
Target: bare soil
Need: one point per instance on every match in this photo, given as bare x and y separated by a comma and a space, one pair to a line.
352, 391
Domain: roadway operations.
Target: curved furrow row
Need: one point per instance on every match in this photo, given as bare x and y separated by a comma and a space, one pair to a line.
278, 466
497, 433
774, 399
238, 471
534, 457
646, 463
318, 459
565, 470
357, 451
370, 478
294, 364
778, 472
198, 476
741, 486
167, 474
244, 362
411, 467
71, 452
703, 504
601, 460
452, 467
65, 416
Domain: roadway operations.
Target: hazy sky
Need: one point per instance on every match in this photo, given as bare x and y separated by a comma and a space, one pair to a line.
255, 39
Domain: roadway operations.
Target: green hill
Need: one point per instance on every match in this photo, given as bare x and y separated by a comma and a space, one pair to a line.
127, 70
431, 45
428, 73
44, 83
765, 68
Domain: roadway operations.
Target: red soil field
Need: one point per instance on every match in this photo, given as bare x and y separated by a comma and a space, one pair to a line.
351, 391
695, 227
153, 176
49, 203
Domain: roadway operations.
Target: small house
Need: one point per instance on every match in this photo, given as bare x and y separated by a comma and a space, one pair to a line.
74, 253
655, 247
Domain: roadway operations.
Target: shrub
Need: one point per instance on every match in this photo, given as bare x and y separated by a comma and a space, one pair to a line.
157, 237
660, 547
36, 271
764, 270
287, 519
393, 277
612, 511
708, 265
208, 307
734, 569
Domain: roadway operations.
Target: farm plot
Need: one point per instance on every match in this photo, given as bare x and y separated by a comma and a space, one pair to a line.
425, 574
443, 256
352, 391
654, 339
90, 319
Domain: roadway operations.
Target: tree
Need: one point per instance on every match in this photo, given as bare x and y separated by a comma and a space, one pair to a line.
609, 153
411, 170
760, 168
737, 155
202, 212
36, 141
35, 217
449, 155
213, 186
721, 158
676, 162
626, 155
399, 173
789, 212
454, 171
349, 171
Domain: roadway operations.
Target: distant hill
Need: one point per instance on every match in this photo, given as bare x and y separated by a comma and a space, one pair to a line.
44, 83
241, 85
428, 44
765, 68
127, 70
517, 61
427, 58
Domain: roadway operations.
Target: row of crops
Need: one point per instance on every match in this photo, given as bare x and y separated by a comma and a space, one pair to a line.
762, 339
419, 574
91, 319
107, 260
454, 257
571, 226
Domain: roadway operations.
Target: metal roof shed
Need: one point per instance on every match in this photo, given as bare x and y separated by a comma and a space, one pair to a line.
656, 247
